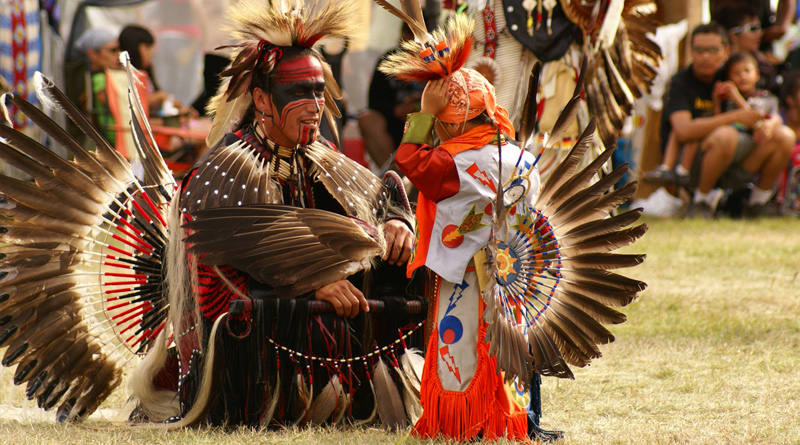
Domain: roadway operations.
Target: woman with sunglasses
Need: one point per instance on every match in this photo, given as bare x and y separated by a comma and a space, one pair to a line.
745, 34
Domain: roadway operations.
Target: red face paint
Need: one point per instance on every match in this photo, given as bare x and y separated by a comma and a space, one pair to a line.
297, 96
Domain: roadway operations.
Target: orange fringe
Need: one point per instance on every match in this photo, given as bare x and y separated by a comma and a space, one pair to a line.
483, 410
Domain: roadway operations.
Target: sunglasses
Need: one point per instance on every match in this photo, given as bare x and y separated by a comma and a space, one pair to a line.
751, 27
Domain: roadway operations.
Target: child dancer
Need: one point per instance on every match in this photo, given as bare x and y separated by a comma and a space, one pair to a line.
463, 395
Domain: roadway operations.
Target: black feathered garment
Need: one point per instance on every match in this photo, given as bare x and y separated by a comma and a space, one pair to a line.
254, 363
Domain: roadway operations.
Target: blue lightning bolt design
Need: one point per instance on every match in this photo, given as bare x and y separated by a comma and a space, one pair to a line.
460, 289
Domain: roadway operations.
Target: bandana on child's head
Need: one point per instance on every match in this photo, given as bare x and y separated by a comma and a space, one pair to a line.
470, 94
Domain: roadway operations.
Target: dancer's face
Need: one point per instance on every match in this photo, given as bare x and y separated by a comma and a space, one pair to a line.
294, 106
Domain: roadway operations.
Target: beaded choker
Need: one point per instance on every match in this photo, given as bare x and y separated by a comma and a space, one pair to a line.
282, 157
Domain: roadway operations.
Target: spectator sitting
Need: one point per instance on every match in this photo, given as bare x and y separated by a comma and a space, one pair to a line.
102, 49
740, 89
745, 33
737, 91
688, 111
139, 42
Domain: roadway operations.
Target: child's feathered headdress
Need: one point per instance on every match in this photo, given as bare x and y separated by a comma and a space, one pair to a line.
262, 28
431, 57
442, 55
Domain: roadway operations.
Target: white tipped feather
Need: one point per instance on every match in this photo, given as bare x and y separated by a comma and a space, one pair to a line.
342, 404
325, 403
387, 397
610, 24
305, 393
410, 385
6, 114
412, 362
623, 85
39, 84
227, 115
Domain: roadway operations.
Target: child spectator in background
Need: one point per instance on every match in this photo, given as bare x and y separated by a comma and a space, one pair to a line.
738, 90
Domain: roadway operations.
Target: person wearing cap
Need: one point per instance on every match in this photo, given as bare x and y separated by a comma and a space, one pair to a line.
102, 49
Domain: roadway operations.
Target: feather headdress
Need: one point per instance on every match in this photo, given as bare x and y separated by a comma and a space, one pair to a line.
263, 28
442, 55
419, 61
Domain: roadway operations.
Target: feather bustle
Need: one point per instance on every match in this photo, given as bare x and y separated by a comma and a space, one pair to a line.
548, 361
602, 226
111, 161
562, 172
576, 184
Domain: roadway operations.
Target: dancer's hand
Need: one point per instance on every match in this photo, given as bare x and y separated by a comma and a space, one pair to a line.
346, 299
399, 242
434, 98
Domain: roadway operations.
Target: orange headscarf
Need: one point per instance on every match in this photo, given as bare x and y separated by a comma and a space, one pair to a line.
469, 95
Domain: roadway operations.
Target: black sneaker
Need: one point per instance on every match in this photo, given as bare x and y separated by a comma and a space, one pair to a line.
700, 210
765, 210
664, 175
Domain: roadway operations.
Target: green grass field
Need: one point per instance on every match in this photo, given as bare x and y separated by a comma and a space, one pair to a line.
710, 354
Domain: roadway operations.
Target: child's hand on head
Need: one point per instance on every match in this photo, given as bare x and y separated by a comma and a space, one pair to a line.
434, 98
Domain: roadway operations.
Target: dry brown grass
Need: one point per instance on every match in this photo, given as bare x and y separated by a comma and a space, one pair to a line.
709, 355
710, 351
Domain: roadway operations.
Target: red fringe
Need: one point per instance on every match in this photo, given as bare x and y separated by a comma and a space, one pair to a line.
484, 409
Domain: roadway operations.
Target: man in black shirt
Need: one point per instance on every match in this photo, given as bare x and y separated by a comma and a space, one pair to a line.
688, 112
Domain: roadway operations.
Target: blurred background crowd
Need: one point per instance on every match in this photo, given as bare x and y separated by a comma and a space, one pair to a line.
176, 46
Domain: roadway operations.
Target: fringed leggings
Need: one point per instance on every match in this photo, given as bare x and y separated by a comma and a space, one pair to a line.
462, 395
